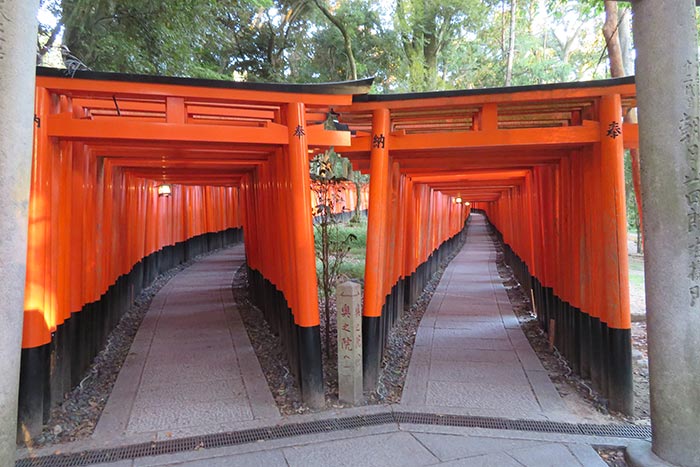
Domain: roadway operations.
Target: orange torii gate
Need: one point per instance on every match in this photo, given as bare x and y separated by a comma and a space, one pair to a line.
544, 162
546, 165
237, 156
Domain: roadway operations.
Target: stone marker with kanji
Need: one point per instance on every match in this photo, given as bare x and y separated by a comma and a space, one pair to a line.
349, 317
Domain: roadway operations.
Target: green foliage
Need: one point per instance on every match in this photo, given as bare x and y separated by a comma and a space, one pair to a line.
139, 37
329, 166
636, 271
409, 45
328, 170
359, 233
354, 269
353, 265
322, 56
427, 30
632, 212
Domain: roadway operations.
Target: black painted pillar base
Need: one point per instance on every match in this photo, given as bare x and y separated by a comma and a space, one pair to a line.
594, 350
32, 388
620, 379
596, 353
371, 352
585, 345
311, 378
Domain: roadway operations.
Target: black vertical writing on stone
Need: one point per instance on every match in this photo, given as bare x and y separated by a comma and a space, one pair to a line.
4, 22
689, 130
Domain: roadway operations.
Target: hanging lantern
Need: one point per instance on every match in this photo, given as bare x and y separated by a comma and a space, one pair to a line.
458, 200
164, 190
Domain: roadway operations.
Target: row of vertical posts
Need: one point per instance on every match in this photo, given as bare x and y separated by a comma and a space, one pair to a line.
565, 231
411, 228
346, 192
279, 288
281, 256
97, 236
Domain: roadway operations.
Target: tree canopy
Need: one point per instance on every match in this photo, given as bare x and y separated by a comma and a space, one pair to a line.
409, 45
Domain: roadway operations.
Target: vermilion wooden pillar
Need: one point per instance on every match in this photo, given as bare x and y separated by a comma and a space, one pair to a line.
306, 315
376, 253
409, 244
615, 270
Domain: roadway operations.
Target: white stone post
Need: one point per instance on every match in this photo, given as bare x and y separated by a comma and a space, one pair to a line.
349, 321
17, 67
668, 89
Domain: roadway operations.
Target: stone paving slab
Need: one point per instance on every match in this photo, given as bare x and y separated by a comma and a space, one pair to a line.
475, 330
257, 459
493, 373
451, 447
391, 445
185, 392
547, 394
478, 358
148, 418
477, 344
480, 396
466, 321
191, 368
550, 455
393, 449
490, 460
457, 355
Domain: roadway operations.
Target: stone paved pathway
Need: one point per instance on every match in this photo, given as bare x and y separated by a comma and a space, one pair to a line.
394, 445
470, 354
191, 368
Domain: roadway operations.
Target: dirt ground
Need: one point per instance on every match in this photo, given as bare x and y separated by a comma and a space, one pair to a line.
612, 456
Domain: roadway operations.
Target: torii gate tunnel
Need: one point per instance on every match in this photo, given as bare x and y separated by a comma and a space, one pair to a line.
545, 163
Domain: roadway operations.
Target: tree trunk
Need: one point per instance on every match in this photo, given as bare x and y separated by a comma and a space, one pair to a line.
639, 236
625, 34
325, 264
511, 43
637, 180
612, 39
358, 201
503, 26
43, 50
346, 37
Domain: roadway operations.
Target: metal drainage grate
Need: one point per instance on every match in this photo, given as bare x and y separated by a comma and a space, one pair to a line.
617, 431
542, 426
234, 438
